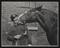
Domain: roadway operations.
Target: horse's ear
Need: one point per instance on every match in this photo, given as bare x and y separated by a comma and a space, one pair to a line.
39, 8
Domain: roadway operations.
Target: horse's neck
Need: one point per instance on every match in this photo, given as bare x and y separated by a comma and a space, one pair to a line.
45, 19
43, 25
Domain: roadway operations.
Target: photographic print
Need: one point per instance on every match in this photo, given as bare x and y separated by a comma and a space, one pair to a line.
34, 24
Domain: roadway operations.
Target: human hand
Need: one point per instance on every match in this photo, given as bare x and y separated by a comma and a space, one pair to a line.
17, 36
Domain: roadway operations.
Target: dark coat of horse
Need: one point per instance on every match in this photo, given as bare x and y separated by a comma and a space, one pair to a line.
46, 18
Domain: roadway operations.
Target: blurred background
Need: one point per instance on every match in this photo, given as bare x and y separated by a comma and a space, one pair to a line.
8, 8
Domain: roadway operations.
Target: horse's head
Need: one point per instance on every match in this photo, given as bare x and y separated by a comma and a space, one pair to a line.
28, 16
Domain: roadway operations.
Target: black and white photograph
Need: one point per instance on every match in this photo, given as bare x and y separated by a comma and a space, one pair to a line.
33, 24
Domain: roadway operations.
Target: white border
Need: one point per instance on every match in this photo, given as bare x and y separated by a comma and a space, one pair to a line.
40, 45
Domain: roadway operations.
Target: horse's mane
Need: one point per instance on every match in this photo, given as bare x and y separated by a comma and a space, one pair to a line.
39, 8
36, 9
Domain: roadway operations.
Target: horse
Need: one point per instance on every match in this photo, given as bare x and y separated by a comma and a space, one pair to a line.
46, 18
